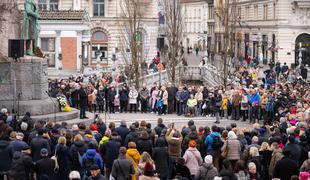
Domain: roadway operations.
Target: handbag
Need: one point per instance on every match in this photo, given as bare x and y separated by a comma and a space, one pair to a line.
224, 152
56, 162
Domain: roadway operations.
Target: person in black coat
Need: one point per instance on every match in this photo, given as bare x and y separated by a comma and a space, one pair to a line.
161, 157
62, 154
160, 126
122, 131
22, 165
100, 99
144, 144
227, 173
76, 151
132, 135
83, 101
285, 167
123, 97
45, 167
37, 144
294, 148
110, 152
180, 170
172, 91
6, 155
111, 97
305, 148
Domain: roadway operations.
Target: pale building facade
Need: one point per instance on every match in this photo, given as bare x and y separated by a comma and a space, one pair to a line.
83, 33
269, 30
195, 23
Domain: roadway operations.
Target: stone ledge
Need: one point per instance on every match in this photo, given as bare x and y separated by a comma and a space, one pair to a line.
60, 116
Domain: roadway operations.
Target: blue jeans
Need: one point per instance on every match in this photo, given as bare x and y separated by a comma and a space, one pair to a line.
181, 108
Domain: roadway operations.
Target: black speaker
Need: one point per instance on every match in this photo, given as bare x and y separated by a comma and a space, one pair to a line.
160, 43
16, 48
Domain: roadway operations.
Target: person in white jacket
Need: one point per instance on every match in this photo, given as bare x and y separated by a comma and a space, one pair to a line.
133, 95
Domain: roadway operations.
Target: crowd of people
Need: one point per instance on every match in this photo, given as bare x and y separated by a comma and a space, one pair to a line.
274, 99
47, 151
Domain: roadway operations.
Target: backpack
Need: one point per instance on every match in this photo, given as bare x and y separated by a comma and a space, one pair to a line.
216, 142
76, 158
89, 162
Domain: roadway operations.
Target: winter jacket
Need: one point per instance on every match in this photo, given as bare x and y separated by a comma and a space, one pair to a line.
122, 131
158, 129
305, 167
144, 94
295, 151
275, 157
228, 174
22, 165
92, 154
62, 154
161, 158
122, 168
132, 136
111, 95
192, 159
206, 172
17, 145
144, 145
242, 175
37, 144
134, 156
110, 151
285, 168
45, 167
76, 151
234, 149
192, 136
6, 155
123, 95
174, 144
181, 171
209, 141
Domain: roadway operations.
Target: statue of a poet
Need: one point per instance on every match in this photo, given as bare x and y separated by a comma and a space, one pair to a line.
31, 28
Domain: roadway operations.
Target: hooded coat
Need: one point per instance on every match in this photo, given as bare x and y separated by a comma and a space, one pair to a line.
78, 148
22, 165
161, 157
6, 155
134, 156
110, 151
174, 144
206, 171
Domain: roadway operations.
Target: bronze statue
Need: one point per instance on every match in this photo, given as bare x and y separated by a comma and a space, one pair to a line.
31, 28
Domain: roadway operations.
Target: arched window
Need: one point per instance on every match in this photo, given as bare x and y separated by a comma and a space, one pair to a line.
302, 49
99, 43
100, 36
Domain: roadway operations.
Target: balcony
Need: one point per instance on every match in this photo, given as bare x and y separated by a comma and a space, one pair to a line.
301, 4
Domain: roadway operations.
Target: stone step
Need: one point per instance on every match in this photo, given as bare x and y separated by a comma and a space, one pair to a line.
60, 116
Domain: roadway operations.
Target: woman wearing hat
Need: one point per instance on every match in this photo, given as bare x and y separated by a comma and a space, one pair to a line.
192, 158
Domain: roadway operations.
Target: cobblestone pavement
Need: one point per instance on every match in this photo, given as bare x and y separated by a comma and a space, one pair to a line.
179, 121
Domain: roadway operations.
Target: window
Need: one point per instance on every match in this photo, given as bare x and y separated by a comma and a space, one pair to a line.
247, 11
239, 13
48, 48
265, 15
255, 11
51, 5
210, 12
98, 8
199, 13
99, 42
274, 10
42, 4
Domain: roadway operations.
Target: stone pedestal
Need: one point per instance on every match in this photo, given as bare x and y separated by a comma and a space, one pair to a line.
26, 79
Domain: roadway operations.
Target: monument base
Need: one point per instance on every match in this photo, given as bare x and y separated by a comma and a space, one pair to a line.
24, 86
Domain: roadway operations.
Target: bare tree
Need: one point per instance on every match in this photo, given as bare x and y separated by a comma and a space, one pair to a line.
173, 31
131, 32
226, 13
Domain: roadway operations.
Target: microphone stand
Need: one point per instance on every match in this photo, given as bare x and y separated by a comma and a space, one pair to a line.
18, 97
55, 106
